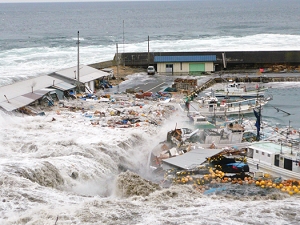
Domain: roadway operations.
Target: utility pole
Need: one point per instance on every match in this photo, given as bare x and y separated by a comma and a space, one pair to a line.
123, 46
148, 51
118, 66
78, 57
117, 60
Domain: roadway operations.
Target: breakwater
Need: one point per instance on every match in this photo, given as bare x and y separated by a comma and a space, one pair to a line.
273, 60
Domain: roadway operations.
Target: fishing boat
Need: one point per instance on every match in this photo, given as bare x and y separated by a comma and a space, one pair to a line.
276, 158
233, 89
225, 108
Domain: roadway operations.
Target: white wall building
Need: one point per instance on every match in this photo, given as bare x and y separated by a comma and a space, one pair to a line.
187, 64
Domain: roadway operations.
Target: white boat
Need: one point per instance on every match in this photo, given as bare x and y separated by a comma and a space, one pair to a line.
277, 159
200, 120
238, 90
232, 133
225, 108
210, 98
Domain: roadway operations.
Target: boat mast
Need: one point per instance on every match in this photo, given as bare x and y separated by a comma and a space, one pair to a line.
148, 51
78, 57
117, 59
257, 123
259, 113
123, 46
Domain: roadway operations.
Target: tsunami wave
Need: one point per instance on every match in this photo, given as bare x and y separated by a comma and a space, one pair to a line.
24, 62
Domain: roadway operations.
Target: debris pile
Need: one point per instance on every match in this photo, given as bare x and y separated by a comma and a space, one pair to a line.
117, 111
185, 85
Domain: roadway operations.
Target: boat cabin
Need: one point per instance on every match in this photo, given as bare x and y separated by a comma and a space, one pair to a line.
276, 155
234, 87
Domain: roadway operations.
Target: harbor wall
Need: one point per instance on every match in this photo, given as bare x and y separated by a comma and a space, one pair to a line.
235, 60
102, 65
244, 78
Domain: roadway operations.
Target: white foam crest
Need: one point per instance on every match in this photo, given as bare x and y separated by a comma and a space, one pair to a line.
22, 63
139, 77
76, 38
71, 144
258, 42
29, 62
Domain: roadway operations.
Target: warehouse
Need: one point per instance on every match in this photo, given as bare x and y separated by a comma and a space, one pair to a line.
89, 78
187, 64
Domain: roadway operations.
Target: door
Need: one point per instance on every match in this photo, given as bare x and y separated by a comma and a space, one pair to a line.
196, 68
169, 68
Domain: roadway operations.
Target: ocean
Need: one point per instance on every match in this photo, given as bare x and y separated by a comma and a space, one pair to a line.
39, 38
38, 156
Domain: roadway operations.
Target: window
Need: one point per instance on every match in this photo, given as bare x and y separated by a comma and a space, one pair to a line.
180, 65
256, 151
169, 68
269, 155
263, 153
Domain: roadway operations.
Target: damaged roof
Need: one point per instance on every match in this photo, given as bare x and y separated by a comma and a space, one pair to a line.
24, 92
86, 73
193, 158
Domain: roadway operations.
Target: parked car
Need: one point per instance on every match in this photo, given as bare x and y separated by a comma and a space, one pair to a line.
151, 70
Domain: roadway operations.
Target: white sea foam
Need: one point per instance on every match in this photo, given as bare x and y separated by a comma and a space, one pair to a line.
69, 170
17, 64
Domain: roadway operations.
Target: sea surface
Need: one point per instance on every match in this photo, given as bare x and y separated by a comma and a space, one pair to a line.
40, 38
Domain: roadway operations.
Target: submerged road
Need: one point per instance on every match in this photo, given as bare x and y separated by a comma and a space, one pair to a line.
146, 83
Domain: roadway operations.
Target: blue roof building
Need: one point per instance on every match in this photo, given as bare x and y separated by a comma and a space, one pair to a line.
186, 64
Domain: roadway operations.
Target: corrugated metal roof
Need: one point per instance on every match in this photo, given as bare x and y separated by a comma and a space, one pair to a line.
26, 86
33, 96
64, 86
24, 100
194, 157
93, 76
43, 91
86, 73
24, 92
270, 147
186, 58
16, 103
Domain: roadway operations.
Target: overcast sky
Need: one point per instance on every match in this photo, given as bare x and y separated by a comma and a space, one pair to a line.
11, 1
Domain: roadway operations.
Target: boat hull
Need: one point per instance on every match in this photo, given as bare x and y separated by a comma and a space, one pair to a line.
239, 95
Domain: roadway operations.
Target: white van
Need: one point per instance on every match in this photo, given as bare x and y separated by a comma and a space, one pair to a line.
151, 70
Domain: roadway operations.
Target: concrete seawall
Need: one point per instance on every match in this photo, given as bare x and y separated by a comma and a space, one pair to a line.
102, 65
274, 60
